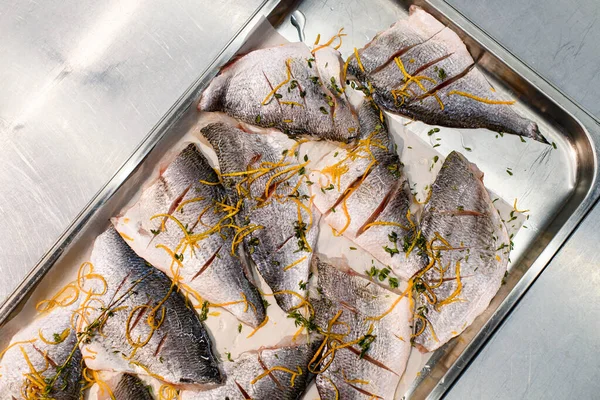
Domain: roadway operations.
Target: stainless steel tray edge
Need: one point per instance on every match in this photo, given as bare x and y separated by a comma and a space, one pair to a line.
185, 101
592, 128
426, 386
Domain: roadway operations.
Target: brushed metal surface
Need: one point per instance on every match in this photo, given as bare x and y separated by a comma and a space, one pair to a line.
549, 345
82, 83
559, 39
100, 119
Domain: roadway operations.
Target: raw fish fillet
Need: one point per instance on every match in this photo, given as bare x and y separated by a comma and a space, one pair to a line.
364, 195
27, 347
419, 69
264, 177
351, 305
286, 87
139, 322
242, 374
155, 225
471, 248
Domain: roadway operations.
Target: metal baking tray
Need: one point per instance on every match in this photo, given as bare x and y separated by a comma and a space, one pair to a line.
559, 188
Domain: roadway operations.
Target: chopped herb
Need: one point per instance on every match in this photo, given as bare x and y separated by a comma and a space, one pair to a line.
323, 110
504, 278
204, 311
394, 170
352, 248
409, 147
467, 148
310, 61
383, 274
239, 328
460, 208
315, 79
309, 183
155, 231
435, 159
283, 153
332, 209
436, 145
293, 84
442, 74
302, 93
365, 344
330, 187
336, 154
302, 171
432, 131
57, 338
393, 282
257, 119
266, 304
179, 257
554, 145
278, 96
252, 244
508, 171
301, 320
302, 285
229, 357
306, 157
391, 251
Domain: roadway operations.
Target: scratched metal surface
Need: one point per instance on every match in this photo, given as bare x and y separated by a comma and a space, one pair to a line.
560, 39
82, 82
548, 348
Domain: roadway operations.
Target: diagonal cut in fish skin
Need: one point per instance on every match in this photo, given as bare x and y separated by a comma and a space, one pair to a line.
474, 258
435, 81
205, 260
288, 88
242, 374
375, 368
271, 220
369, 203
45, 358
146, 325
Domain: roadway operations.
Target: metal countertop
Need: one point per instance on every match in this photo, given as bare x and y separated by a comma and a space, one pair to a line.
84, 81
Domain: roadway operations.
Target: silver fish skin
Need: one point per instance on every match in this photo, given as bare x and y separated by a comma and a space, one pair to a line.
251, 365
276, 247
400, 37
304, 105
377, 372
376, 194
179, 350
205, 263
461, 212
45, 358
440, 84
130, 387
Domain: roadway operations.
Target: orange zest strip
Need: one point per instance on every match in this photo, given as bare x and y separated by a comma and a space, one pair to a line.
258, 327
360, 65
276, 88
292, 265
279, 368
480, 99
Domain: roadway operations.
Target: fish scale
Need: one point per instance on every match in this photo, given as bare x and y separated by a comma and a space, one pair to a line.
179, 350
205, 266
130, 387
243, 371
14, 366
461, 212
459, 97
275, 247
377, 200
378, 371
244, 90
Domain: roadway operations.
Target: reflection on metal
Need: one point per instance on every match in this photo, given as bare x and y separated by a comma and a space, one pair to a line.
299, 21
